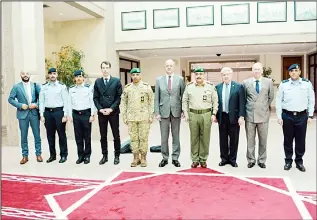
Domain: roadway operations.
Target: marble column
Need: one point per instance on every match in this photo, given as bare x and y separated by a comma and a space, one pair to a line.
23, 49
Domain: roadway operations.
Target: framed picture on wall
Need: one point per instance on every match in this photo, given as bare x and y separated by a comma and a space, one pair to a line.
166, 18
272, 12
200, 15
133, 20
304, 11
235, 14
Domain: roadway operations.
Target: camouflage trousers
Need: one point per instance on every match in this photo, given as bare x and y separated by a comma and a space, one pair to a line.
139, 136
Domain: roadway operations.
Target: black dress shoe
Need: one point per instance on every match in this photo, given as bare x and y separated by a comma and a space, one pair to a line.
250, 165
195, 165
62, 160
287, 166
163, 163
87, 160
103, 160
176, 163
262, 165
116, 160
301, 167
80, 160
51, 159
222, 163
234, 164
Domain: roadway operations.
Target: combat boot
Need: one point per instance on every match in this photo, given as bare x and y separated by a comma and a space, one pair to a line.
143, 160
136, 160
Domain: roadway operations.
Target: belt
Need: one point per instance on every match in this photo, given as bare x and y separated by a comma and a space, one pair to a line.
201, 111
82, 112
54, 109
295, 113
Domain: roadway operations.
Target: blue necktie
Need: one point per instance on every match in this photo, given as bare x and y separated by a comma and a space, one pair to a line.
257, 86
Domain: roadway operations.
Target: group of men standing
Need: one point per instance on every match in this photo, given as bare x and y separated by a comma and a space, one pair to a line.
200, 103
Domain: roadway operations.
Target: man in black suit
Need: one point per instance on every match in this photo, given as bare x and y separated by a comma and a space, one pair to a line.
230, 116
107, 97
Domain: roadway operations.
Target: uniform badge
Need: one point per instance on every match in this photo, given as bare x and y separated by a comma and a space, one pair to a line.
142, 98
204, 97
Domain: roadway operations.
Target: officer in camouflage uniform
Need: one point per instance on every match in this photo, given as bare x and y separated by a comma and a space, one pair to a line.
137, 108
200, 106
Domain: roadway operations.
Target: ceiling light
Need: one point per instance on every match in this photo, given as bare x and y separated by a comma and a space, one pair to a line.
291, 50
60, 13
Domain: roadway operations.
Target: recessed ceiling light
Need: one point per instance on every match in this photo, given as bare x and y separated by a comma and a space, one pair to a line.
60, 13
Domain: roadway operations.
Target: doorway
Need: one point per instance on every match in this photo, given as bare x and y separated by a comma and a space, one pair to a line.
125, 66
289, 60
312, 73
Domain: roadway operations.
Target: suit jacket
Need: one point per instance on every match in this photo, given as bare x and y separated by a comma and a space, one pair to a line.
236, 102
108, 96
166, 103
18, 97
257, 105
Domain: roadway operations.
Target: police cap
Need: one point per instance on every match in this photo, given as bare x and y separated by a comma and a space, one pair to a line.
199, 70
293, 66
79, 73
52, 70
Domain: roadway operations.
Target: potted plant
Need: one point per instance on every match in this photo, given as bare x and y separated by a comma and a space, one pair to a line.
267, 73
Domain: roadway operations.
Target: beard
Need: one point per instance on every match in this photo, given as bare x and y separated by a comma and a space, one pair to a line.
25, 79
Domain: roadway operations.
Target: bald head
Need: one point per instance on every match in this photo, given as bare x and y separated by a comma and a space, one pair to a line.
257, 70
169, 66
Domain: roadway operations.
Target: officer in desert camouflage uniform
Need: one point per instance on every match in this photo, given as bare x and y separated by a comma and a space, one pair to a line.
200, 106
137, 108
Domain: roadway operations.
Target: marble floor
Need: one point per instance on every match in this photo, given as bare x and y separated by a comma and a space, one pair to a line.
302, 181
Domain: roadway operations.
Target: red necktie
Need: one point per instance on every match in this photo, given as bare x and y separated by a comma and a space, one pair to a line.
169, 84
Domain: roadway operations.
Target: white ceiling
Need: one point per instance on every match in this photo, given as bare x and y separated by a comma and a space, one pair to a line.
223, 50
61, 11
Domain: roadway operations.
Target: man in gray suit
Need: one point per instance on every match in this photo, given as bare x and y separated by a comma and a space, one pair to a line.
259, 92
24, 97
169, 91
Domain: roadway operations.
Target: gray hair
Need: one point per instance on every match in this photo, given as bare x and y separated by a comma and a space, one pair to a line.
226, 70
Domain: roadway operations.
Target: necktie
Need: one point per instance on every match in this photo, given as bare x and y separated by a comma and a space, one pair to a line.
257, 86
227, 99
169, 84
106, 81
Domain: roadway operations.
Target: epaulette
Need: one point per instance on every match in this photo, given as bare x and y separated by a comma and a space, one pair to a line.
144, 83
284, 81
87, 85
61, 83
127, 85
72, 86
210, 83
189, 83
306, 80
44, 83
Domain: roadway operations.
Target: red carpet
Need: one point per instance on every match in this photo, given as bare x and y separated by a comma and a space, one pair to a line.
164, 197
128, 175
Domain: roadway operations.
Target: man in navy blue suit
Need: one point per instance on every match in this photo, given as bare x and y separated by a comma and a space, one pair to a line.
24, 96
230, 116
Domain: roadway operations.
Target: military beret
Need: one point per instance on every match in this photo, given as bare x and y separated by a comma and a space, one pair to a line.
293, 66
135, 70
78, 73
51, 70
199, 70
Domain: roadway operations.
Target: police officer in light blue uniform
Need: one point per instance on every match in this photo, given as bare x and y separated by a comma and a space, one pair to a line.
295, 103
81, 112
53, 105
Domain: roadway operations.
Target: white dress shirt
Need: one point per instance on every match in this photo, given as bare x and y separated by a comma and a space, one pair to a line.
27, 87
224, 96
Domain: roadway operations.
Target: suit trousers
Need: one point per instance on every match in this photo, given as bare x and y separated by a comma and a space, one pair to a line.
53, 123
82, 130
139, 135
103, 128
231, 132
199, 126
34, 122
262, 130
165, 125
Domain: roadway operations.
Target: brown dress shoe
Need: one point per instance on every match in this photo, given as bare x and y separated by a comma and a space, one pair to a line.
195, 165
24, 160
39, 158
203, 164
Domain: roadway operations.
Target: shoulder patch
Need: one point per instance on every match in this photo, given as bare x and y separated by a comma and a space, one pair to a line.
306, 80
60, 83
44, 83
284, 81
87, 85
